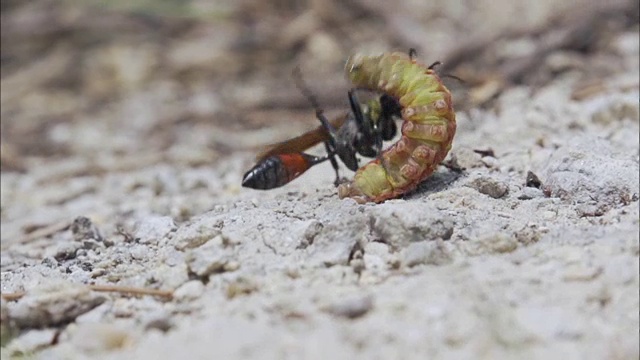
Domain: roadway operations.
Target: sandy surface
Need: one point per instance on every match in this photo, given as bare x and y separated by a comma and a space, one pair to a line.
471, 265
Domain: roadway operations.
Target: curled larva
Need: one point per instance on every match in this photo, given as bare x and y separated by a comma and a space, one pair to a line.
427, 130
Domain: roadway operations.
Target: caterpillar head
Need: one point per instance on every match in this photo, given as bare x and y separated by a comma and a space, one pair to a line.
354, 68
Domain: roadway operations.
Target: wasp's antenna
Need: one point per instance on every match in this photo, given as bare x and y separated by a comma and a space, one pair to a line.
304, 89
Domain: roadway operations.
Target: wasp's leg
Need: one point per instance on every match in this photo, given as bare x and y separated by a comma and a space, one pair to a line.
391, 109
356, 108
413, 53
378, 148
367, 131
433, 66
335, 147
330, 144
438, 63
331, 155
453, 165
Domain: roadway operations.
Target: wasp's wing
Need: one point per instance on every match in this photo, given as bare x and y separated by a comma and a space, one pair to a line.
302, 142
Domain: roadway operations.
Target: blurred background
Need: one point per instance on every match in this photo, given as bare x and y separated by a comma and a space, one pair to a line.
96, 87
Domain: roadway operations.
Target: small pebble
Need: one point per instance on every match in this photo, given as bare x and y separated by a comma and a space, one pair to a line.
207, 260
529, 193
491, 187
351, 308
153, 228
83, 229
426, 252
66, 251
188, 291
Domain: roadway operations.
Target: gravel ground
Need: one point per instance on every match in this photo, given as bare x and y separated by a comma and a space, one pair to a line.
479, 264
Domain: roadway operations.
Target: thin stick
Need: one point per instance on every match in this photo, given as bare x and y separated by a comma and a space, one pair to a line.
104, 288
38, 234
13, 296
131, 290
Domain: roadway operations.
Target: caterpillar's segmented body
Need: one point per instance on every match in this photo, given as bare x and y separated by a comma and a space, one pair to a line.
427, 130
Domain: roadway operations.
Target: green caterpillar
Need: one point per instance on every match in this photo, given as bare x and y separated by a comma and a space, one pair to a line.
427, 130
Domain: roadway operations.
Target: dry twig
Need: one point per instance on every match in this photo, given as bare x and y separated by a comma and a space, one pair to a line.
105, 288
38, 234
